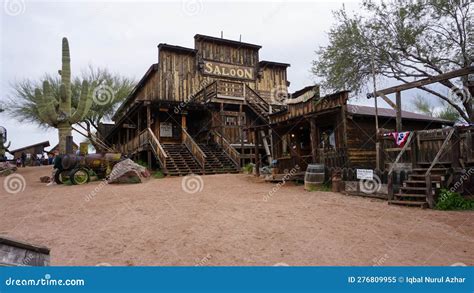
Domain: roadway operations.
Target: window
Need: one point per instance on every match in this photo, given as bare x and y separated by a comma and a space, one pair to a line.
327, 138
230, 120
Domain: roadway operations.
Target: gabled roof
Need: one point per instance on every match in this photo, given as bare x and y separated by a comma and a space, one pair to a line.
199, 37
43, 144
265, 63
164, 46
142, 81
391, 113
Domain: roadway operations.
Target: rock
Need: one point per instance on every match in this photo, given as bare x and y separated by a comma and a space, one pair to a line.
45, 179
127, 171
6, 168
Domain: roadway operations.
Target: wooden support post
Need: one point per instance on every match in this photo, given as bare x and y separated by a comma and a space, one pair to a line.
257, 152
399, 111
456, 149
148, 116
414, 150
139, 122
390, 186
183, 125
149, 159
429, 192
313, 138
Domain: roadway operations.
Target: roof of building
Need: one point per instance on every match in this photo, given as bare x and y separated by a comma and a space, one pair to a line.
57, 147
43, 144
391, 113
142, 81
176, 48
265, 63
199, 37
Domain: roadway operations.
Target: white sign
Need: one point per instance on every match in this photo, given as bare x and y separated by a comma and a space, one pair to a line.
166, 129
365, 174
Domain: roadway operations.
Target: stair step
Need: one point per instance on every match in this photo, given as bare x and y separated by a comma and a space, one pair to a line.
408, 202
413, 188
410, 195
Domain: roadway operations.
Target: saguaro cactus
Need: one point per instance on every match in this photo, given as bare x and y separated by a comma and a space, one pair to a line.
58, 113
3, 139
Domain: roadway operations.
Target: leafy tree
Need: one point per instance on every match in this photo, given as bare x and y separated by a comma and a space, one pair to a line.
111, 91
447, 112
406, 40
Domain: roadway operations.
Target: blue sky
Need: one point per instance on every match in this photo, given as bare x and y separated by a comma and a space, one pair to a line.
123, 36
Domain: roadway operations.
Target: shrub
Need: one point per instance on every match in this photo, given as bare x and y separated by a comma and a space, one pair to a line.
449, 200
248, 168
158, 175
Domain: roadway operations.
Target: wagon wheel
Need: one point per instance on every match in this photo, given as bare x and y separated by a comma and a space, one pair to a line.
79, 176
61, 176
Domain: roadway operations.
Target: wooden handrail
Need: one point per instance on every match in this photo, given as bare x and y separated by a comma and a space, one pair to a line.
257, 96
202, 93
440, 152
233, 154
194, 148
399, 156
157, 147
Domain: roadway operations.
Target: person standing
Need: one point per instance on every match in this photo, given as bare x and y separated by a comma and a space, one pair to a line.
23, 159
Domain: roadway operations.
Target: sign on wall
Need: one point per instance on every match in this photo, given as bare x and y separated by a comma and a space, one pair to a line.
166, 129
365, 174
229, 70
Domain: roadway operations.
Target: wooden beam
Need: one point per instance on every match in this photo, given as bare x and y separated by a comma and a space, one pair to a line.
427, 81
314, 140
399, 111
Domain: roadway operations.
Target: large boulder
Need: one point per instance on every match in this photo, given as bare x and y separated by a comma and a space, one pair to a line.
6, 168
127, 171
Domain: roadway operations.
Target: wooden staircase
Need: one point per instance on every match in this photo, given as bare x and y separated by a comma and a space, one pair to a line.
180, 161
415, 190
217, 161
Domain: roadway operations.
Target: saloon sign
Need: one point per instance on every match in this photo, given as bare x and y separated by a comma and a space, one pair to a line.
228, 70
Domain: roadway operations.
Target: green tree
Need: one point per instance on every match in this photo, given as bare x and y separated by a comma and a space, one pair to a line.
447, 112
406, 40
110, 92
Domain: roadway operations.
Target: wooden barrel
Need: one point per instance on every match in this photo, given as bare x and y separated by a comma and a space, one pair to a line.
314, 176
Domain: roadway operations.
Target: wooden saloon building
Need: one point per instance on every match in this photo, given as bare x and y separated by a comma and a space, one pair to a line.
217, 106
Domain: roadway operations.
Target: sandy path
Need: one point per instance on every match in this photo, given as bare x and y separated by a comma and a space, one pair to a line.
228, 223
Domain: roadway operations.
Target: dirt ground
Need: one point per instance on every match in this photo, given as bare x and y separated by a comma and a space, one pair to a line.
234, 220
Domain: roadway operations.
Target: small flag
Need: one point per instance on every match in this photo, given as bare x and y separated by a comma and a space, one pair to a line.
401, 137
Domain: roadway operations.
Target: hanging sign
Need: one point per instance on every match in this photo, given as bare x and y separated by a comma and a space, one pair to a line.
166, 129
229, 70
365, 174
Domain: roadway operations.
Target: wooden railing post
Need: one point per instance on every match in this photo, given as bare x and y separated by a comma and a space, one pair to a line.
429, 191
390, 186
456, 149
414, 151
